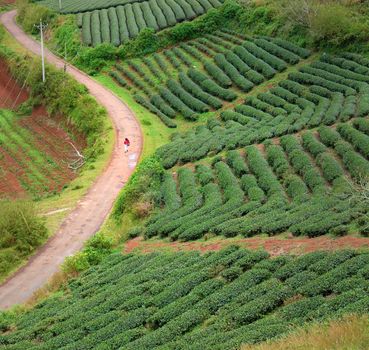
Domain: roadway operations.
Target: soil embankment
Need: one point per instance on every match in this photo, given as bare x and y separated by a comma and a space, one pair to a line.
35, 150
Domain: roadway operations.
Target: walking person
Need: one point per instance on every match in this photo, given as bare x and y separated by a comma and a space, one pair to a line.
126, 145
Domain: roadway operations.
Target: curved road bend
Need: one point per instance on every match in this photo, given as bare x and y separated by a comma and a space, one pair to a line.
93, 208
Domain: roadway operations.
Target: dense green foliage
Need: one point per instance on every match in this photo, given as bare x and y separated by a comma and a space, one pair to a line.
192, 301
308, 98
298, 185
21, 232
126, 22
202, 72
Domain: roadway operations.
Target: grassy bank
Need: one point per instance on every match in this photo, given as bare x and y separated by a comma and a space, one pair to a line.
349, 333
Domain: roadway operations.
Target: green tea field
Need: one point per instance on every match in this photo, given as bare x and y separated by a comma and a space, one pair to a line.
223, 196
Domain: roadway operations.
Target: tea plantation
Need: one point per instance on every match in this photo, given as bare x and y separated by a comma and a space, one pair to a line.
254, 131
117, 25
192, 301
205, 74
299, 184
333, 89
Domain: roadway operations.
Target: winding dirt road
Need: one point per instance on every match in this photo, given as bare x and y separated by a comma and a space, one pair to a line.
93, 208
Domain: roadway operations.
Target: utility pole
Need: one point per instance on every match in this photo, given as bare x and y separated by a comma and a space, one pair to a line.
41, 27
60, 5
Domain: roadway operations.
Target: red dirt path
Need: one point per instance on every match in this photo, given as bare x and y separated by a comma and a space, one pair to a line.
274, 246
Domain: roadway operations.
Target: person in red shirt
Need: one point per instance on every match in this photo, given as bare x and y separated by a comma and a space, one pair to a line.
126, 145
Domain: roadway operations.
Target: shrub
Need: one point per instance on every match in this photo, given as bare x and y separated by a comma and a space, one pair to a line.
140, 21
131, 21
159, 103
146, 178
95, 28
177, 9
233, 73
104, 26
304, 53
152, 108
168, 12
158, 14
217, 74
177, 104
192, 102
86, 28
263, 53
210, 86
149, 16
196, 91
278, 51
257, 64
188, 10
123, 28
359, 140
29, 15
20, 227
114, 26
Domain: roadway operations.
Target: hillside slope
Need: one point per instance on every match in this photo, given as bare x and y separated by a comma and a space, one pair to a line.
86, 219
192, 301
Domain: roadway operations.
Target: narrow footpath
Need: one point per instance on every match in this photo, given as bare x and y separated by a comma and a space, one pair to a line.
93, 208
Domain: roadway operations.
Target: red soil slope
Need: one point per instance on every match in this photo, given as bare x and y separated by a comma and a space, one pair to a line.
11, 93
274, 246
44, 136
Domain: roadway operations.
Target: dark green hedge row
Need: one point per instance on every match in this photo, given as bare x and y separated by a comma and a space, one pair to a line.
177, 104
355, 163
359, 140
304, 53
159, 103
264, 55
152, 108
195, 90
86, 31
232, 72
134, 78
278, 51
192, 102
256, 63
210, 86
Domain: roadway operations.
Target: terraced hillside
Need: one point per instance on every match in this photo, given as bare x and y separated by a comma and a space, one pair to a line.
117, 25
192, 301
330, 90
206, 74
118, 21
33, 159
296, 183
